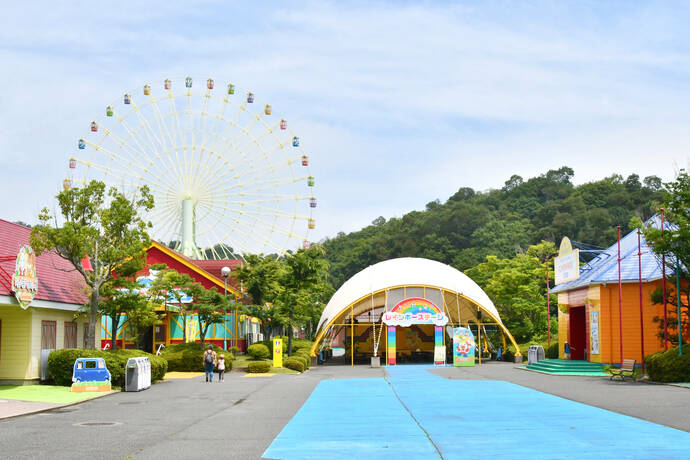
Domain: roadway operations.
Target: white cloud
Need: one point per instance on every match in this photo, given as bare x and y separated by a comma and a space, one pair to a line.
398, 104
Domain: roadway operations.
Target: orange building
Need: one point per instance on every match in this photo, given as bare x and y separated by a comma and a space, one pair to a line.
588, 316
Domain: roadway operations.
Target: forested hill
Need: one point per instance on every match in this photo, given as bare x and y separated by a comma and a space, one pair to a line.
471, 225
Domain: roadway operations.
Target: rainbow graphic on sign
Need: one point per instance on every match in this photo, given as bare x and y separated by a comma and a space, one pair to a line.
415, 311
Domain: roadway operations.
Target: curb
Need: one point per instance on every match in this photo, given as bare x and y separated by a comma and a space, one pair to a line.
57, 407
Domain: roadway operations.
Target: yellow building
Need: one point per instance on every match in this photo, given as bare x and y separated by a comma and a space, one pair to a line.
39, 299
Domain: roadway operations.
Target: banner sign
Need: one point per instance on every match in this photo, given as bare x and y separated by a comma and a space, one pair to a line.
440, 355
463, 347
24, 279
192, 330
391, 344
567, 264
415, 311
594, 332
277, 352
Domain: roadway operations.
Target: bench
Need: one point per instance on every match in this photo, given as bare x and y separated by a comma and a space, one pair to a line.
627, 369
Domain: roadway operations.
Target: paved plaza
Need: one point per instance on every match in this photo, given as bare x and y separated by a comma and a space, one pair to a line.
489, 410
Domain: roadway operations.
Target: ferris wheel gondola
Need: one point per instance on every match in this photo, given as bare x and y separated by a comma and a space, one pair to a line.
226, 180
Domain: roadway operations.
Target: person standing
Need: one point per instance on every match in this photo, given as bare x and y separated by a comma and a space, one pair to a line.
221, 368
209, 362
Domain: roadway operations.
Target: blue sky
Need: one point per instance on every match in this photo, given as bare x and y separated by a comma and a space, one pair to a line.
398, 103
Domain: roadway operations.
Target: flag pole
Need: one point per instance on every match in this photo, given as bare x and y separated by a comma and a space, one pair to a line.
663, 286
620, 296
639, 271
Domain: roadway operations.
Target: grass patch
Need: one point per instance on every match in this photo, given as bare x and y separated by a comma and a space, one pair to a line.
46, 393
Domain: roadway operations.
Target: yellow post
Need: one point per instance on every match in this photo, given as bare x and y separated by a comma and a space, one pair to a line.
277, 352
352, 338
479, 340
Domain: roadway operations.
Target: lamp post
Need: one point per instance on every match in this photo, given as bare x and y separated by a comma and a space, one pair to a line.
225, 271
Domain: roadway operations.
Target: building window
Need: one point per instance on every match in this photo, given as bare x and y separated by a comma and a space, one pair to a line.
70, 335
160, 333
48, 335
0, 339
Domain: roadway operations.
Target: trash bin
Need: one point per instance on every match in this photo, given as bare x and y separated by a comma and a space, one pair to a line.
541, 355
138, 374
535, 353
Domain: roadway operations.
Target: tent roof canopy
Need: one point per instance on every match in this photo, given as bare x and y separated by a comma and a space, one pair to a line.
406, 271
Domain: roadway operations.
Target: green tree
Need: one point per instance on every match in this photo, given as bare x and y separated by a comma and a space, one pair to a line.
517, 287
306, 272
674, 244
121, 295
103, 224
173, 284
260, 277
210, 306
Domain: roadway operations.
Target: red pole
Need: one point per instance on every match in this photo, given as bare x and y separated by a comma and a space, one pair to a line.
548, 301
620, 295
639, 269
663, 289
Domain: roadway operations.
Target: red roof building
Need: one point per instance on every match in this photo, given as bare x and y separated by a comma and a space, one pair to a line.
46, 322
58, 280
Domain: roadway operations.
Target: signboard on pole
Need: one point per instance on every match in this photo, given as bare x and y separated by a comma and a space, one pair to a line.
24, 280
567, 264
463, 347
277, 352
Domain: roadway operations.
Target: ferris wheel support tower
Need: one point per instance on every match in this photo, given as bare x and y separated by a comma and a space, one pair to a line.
189, 247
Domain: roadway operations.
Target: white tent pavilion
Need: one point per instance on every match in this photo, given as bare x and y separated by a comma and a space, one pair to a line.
367, 295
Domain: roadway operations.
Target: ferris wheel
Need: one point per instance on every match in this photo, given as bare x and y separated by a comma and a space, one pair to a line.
227, 174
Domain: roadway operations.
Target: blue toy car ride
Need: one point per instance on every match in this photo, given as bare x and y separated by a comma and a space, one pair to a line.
90, 370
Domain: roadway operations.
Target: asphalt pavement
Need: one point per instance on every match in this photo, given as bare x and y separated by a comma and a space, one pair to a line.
238, 419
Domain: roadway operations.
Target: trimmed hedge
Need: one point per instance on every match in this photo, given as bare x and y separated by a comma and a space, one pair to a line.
258, 367
61, 364
258, 351
552, 351
295, 363
301, 343
667, 366
305, 355
189, 357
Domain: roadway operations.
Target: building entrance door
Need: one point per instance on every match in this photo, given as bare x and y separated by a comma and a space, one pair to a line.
576, 336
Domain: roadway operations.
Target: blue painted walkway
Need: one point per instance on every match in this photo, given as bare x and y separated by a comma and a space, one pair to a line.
415, 414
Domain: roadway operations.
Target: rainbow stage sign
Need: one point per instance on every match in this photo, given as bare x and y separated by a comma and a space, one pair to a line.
415, 311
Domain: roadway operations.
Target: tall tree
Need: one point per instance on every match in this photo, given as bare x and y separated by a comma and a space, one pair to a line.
181, 288
306, 272
260, 277
121, 295
674, 244
517, 287
103, 224
210, 306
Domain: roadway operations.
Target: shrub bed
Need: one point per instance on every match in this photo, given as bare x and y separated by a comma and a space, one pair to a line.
258, 367
552, 351
304, 355
295, 363
667, 366
258, 351
61, 364
189, 357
